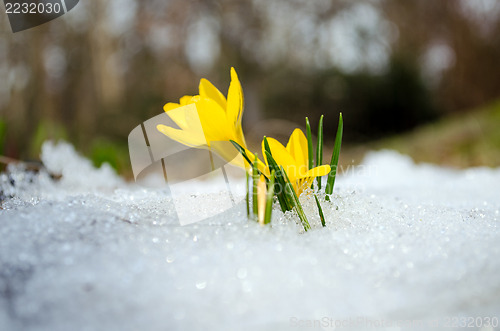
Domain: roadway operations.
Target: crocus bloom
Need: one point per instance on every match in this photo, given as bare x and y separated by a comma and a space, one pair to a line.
294, 160
208, 120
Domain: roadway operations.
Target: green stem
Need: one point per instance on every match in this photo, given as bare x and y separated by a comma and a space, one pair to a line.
255, 181
310, 151
279, 178
269, 199
320, 211
248, 193
319, 149
335, 159
296, 202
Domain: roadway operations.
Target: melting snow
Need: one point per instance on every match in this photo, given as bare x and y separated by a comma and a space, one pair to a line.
403, 242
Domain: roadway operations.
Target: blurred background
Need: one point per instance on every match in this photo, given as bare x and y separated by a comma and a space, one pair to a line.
422, 77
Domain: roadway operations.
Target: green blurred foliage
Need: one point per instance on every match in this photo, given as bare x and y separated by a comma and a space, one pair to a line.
103, 150
464, 140
374, 105
47, 129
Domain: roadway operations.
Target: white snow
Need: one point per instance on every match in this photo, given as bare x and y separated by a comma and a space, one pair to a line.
404, 242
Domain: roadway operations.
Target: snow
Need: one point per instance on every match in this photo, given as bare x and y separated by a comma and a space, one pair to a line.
404, 242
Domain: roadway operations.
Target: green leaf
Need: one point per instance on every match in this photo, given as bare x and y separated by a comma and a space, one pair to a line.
296, 202
248, 194
310, 151
335, 159
320, 211
319, 149
242, 151
269, 199
279, 185
255, 181
245, 155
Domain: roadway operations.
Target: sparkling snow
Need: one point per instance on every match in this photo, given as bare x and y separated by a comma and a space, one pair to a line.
403, 243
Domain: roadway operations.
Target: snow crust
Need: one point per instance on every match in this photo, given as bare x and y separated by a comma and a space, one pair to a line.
403, 242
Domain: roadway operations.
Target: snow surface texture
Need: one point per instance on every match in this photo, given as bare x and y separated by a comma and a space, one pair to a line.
403, 242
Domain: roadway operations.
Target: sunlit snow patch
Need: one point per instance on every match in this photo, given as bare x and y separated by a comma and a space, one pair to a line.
404, 242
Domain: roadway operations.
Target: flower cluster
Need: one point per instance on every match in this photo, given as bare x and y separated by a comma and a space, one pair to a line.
217, 121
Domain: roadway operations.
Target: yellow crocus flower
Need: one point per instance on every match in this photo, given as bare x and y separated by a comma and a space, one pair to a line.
208, 120
294, 160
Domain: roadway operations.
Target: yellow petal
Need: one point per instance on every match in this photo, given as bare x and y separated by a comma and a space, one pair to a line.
208, 90
303, 184
185, 100
170, 106
318, 171
234, 101
282, 158
187, 138
213, 120
297, 147
239, 137
178, 117
260, 165
227, 151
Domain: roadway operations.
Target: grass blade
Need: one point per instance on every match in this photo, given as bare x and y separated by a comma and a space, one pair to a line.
245, 155
320, 211
279, 178
310, 151
319, 149
255, 181
296, 202
248, 193
335, 159
279, 186
270, 197
242, 151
